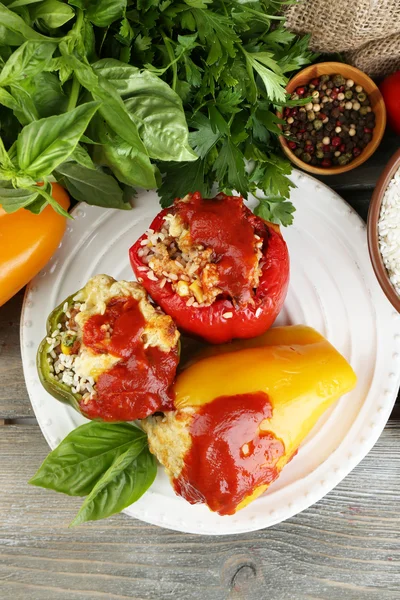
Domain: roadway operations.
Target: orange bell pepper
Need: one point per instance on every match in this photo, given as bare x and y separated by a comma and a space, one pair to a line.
242, 412
27, 242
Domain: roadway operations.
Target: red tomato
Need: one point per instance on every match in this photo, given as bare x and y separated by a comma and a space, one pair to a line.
390, 88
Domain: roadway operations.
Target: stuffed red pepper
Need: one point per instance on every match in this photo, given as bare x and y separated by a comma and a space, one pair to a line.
217, 269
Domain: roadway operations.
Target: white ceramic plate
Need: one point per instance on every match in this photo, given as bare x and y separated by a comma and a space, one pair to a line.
332, 288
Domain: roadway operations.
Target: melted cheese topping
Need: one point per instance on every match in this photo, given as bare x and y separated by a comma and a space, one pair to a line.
160, 330
87, 364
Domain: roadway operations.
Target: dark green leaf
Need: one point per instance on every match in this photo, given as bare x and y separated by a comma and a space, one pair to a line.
204, 138
45, 192
228, 101
271, 173
37, 206
218, 123
82, 458
213, 28
125, 35
91, 186
44, 144
182, 178
230, 168
128, 478
270, 120
82, 157
12, 199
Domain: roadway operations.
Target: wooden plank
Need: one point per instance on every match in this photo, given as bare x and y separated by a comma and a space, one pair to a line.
346, 547
14, 401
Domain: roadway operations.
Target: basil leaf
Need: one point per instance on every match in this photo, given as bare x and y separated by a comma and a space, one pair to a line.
128, 166
119, 74
28, 60
5, 160
81, 156
12, 199
26, 111
128, 478
52, 13
122, 138
45, 192
75, 466
101, 12
17, 3
16, 24
37, 205
91, 186
154, 107
6, 99
45, 144
10, 38
89, 40
46, 94
113, 110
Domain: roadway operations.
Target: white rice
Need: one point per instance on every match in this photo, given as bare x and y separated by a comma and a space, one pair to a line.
389, 230
62, 366
183, 263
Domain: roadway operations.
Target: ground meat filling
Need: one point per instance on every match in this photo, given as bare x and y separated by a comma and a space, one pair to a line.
198, 271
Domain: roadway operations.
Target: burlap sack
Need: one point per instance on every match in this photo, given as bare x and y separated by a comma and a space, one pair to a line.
367, 32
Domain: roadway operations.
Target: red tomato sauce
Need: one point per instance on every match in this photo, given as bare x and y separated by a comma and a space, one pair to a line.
221, 224
139, 384
229, 457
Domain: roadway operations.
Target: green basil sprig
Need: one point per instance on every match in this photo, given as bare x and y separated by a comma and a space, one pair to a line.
51, 87
110, 463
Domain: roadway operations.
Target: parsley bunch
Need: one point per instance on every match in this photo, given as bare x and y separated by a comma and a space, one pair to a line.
229, 61
108, 95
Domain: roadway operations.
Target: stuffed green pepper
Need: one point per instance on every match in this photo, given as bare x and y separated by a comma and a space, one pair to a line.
109, 352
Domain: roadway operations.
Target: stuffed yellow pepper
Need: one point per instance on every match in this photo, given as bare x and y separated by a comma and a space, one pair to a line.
242, 412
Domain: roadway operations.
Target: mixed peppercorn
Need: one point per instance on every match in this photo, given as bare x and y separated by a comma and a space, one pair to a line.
336, 124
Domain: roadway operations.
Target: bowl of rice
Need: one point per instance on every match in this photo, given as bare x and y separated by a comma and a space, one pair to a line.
384, 230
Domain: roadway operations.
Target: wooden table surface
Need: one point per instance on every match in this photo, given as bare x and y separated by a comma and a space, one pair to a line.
345, 547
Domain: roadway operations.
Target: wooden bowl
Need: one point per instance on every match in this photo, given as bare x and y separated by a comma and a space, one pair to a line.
372, 229
377, 105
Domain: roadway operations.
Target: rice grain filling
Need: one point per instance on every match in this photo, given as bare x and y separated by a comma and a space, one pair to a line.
78, 367
171, 256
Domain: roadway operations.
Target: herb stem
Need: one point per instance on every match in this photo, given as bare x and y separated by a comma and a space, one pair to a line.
73, 97
79, 21
172, 59
263, 16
